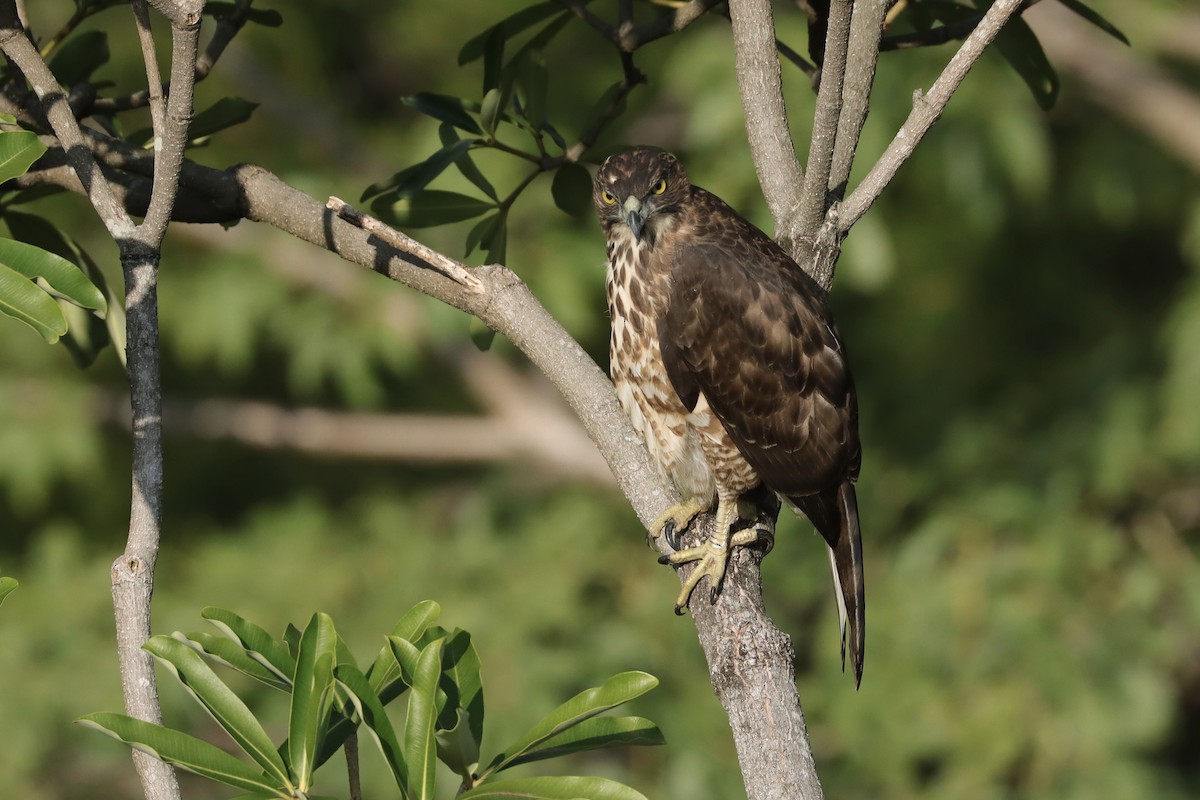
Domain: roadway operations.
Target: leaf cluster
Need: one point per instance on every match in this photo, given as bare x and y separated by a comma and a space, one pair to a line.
331, 699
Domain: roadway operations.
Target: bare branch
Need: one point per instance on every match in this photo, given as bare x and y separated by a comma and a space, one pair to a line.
761, 88
927, 109
459, 273
814, 199
21, 52
862, 56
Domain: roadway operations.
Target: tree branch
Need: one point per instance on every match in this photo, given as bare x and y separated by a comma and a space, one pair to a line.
814, 198
761, 89
926, 111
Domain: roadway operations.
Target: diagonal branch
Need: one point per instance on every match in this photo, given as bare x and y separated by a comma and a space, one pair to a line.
927, 108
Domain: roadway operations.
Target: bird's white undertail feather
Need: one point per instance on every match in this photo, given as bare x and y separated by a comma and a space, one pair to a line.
840, 593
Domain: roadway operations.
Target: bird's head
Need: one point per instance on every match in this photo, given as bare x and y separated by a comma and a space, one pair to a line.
640, 188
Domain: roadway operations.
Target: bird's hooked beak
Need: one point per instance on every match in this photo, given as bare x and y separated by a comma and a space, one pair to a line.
634, 217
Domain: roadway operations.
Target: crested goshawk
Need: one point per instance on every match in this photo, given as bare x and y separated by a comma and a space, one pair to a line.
725, 356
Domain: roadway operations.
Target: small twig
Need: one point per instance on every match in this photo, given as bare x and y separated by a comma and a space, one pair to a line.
141, 15
454, 270
927, 108
814, 200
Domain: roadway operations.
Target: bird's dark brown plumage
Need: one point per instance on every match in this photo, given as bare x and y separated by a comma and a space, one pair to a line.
725, 354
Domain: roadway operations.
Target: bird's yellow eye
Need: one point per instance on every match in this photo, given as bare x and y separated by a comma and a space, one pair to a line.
661, 186
608, 198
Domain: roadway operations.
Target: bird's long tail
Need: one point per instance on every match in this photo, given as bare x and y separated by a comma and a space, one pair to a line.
834, 512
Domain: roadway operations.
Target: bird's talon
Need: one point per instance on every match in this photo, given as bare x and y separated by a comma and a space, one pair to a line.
664, 559
680, 610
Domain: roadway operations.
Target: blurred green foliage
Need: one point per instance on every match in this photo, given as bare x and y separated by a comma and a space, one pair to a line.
1022, 308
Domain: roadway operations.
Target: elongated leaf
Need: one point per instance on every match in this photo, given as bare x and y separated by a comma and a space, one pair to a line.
7, 585
371, 710
430, 207
80, 56
406, 655
184, 751
261, 16
219, 700
572, 190
384, 675
411, 181
593, 734
489, 110
86, 334
462, 682
1020, 47
18, 151
493, 57
482, 232
508, 27
226, 651
64, 278
225, 113
311, 690
556, 788
533, 82
420, 746
456, 746
259, 644
21, 299
447, 109
465, 164
1093, 17
616, 690
291, 637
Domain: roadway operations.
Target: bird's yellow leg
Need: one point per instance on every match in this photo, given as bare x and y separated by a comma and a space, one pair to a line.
713, 554
675, 520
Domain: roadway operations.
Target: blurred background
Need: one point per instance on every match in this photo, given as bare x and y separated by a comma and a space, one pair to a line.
1022, 311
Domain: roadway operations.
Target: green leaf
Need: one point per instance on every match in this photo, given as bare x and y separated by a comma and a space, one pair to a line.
7, 585
490, 109
64, 278
412, 180
80, 56
371, 711
420, 746
384, 675
497, 248
184, 751
594, 734
465, 164
556, 788
463, 684
572, 190
259, 644
532, 82
616, 690
406, 655
21, 299
1020, 47
18, 151
291, 637
266, 17
447, 109
481, 233
311, 696
86, 333
225, 113
476, 46
228, 652
493, 58
430, 207
456, 746
220, 701
1093, 17
481, 335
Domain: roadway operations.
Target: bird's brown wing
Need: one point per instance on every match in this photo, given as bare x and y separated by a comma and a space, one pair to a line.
748, 329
